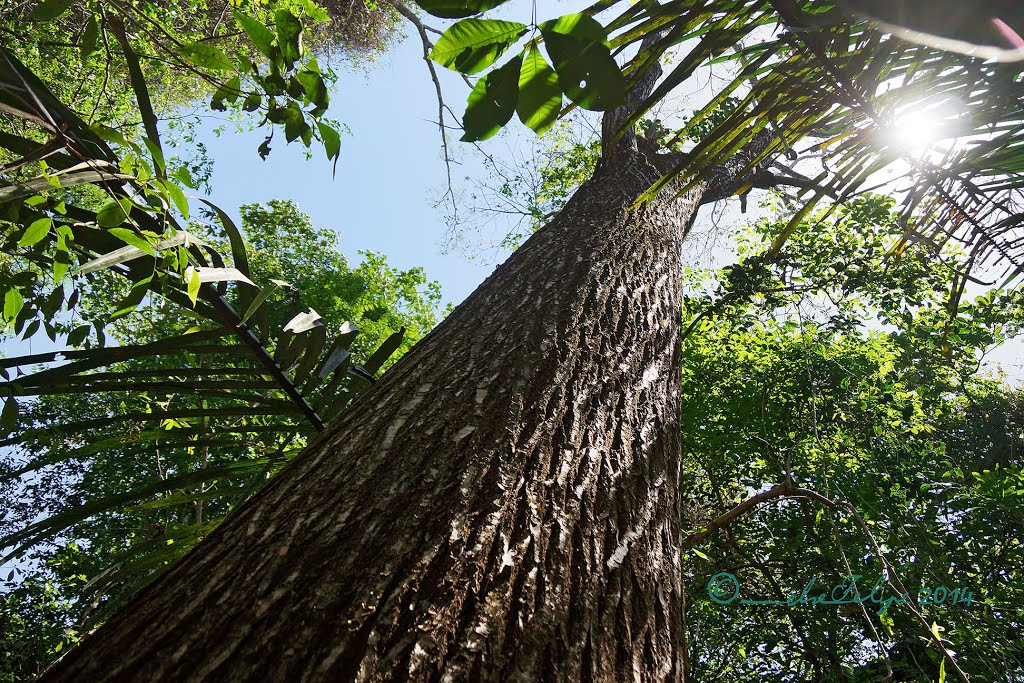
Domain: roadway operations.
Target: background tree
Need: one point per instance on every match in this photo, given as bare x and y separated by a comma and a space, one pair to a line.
781, 378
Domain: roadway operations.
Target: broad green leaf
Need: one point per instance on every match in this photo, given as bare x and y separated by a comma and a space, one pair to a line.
261, 36
50, 9
291, 116
229, 91
129, 236
315, 12
587, 73
193, 283
32, 328
61, 258
13, 303
111, 215
456, 9
89, 38
9, 416
177, 196
331, 139
579, 26
156, 153
492, 102
252, 102
540, 98
182, 175
78, 335
208, 57
471, 45
289, 35
36, 231
313, 87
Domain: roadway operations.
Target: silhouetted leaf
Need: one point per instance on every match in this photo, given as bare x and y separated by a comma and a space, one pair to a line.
492, 102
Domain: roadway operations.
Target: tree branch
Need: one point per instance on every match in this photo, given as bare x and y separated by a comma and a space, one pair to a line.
402, 9
786, 489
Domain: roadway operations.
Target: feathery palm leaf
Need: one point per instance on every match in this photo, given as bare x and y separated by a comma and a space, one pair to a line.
191, 424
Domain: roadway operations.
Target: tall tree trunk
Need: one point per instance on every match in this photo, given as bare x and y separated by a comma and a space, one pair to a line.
502, 505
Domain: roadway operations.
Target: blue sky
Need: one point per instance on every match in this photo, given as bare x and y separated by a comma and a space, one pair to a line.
390, 168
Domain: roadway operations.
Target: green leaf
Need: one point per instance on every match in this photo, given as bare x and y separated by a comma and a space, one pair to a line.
454, 9
229, 91
472, 45
132, 301
587, 73
156, 153
78, 335
540, 98
89, 38
887, 621
252, 102
49, 10
314, 87
291, 116
129, 236
261, 36
492, 102
182, 175
9, 416
193, 283
332, 141
208, 57
258, 300
111, 215
36, 231
178, 197
61, 259
315, 12
289, 35
579, 26
13, 303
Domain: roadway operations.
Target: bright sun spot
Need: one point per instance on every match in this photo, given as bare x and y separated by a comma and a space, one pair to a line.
917, 129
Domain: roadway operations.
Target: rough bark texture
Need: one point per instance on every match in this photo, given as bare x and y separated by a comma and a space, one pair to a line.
502, 505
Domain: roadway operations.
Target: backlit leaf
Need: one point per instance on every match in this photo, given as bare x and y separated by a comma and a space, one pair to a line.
471, 45
540, 98
456, 9
36, 231
261, 36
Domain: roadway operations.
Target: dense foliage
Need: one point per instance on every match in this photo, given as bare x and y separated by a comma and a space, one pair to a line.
842, 370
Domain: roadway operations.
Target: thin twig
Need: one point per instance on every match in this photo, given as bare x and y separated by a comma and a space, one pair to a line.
402, 9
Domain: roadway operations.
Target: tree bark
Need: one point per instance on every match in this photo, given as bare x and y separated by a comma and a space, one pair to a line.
502, 505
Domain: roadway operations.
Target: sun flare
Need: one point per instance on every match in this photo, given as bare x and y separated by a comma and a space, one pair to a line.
917, 129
